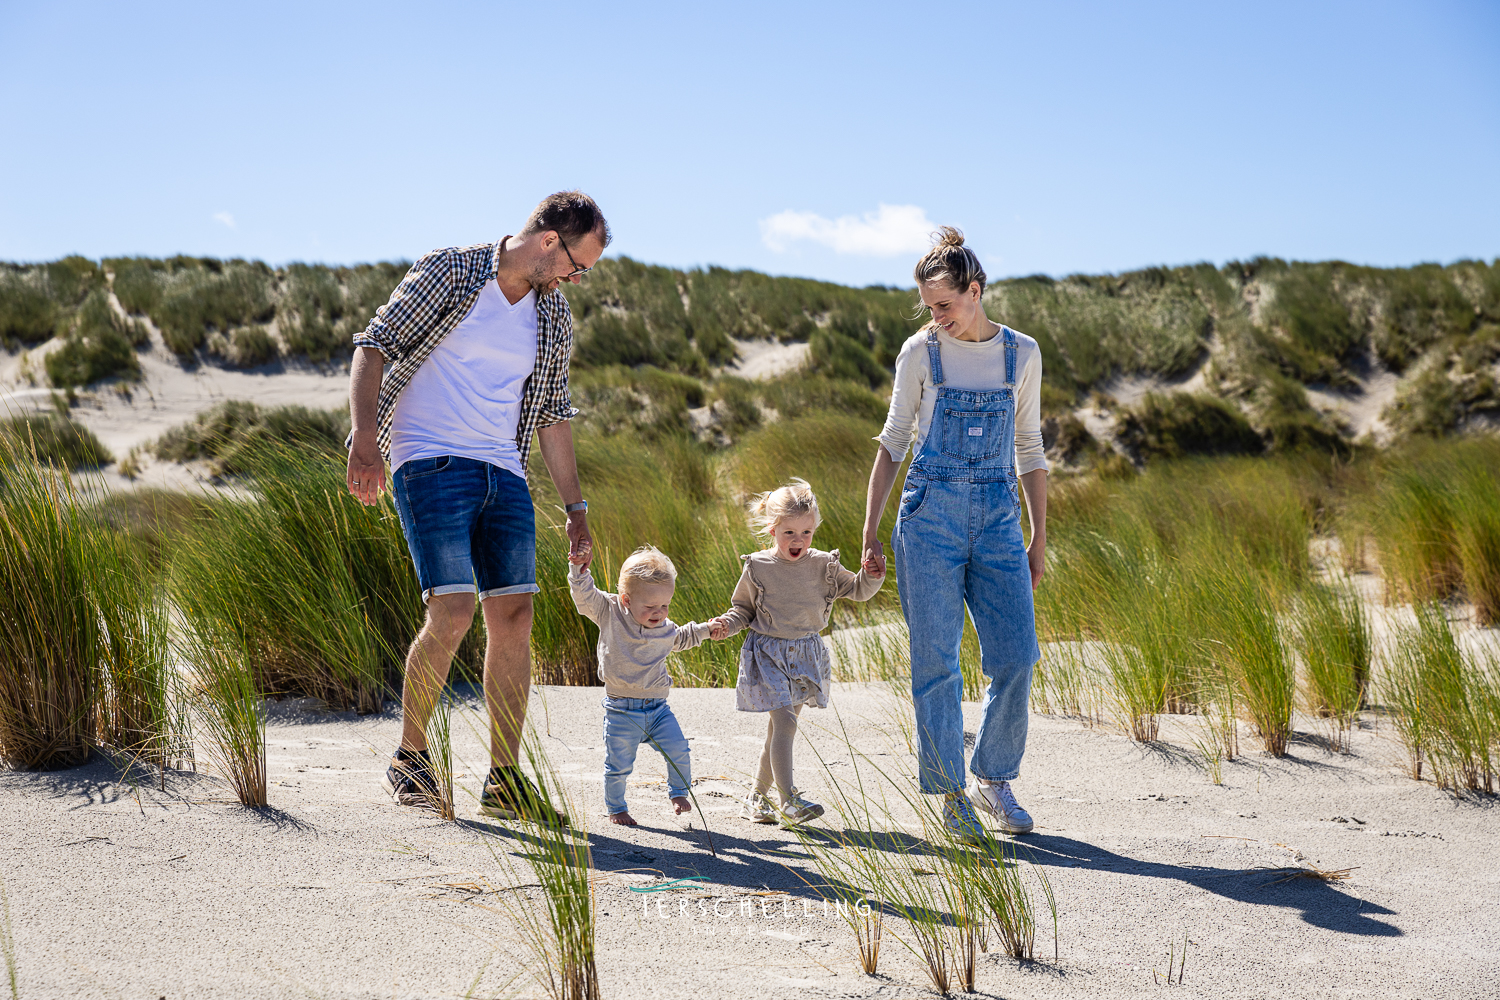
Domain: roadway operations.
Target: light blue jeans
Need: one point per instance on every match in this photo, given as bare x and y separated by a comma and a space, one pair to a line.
629, 722
958, 543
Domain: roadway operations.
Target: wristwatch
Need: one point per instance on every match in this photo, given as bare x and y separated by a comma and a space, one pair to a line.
581, 507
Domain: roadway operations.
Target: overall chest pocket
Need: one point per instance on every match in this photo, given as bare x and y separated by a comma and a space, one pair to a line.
973, 435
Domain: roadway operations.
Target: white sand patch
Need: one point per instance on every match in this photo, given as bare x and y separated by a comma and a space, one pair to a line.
308, 896
1362, 406
764, 359
127, 415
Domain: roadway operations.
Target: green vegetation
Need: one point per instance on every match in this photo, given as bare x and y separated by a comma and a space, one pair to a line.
1261, 331
1434, 517
228, 434
197, 296
98, 345
1181, 424
51, 439
1333, 635
305, 588
49, 634
1447, 705
84, 658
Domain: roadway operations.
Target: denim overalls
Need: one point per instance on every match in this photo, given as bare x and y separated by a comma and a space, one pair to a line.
958, 541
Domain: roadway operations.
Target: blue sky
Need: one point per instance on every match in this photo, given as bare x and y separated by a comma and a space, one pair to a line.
811, 139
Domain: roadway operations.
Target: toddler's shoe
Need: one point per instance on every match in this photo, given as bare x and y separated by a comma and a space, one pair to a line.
758, 809
796, 810
960, 821
999, 801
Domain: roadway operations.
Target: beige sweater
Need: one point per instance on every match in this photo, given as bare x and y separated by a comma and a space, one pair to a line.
632, 658
788, 600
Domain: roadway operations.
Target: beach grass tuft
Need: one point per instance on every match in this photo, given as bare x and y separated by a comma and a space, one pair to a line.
49, 631
1332, 632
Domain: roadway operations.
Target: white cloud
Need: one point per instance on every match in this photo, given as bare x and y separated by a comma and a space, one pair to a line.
225, 218
886, 232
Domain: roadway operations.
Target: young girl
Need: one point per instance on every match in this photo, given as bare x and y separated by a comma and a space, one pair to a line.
784, 597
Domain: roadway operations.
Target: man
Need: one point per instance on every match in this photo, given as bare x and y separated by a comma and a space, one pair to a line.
478, 339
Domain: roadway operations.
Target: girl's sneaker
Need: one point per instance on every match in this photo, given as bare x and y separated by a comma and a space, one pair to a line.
999, 801
796, 810
758, 809
960, 821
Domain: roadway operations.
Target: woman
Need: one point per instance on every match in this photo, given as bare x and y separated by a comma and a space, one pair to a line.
968, 392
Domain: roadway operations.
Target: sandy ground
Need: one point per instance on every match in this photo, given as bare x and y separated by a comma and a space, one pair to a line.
121, 890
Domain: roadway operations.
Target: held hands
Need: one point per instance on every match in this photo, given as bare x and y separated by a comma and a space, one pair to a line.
580, 542
874, 563
717, 629
365, 477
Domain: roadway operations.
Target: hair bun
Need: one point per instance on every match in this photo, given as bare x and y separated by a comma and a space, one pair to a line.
947, 236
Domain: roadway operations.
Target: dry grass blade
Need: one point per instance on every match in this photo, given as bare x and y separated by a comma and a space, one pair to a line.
1309, 872
8, 943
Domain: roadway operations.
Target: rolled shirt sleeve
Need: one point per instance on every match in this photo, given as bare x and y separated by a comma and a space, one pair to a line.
414, 307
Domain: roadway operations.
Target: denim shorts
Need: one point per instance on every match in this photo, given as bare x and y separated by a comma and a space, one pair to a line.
469, 525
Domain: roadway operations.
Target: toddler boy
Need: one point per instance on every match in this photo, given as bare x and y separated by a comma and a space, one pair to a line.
635, 638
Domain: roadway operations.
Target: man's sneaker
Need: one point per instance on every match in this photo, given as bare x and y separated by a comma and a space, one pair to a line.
409, 779
758, 809
999, 801
960, 821
509, 794
796, 810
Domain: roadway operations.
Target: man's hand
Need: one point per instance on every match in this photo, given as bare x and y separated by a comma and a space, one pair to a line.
580, 542
366, 475
874, 562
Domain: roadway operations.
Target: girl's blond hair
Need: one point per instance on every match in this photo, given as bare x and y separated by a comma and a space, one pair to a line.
794, 499
646, 565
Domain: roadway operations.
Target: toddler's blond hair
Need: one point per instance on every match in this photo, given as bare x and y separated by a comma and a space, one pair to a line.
647, 565
793, 499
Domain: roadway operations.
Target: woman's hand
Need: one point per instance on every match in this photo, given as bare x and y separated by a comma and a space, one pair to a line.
1036, 559
874, 561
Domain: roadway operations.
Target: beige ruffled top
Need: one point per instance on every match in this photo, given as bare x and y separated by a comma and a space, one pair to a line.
789, 600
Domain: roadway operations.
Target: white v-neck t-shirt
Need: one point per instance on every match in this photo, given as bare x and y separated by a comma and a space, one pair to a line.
465, 400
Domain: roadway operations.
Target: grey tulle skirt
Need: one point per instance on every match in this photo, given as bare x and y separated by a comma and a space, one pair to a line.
777, 673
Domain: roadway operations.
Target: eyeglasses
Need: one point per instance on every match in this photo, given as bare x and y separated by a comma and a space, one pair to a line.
577, 267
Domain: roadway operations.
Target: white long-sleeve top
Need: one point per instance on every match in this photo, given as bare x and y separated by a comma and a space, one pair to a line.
979, 367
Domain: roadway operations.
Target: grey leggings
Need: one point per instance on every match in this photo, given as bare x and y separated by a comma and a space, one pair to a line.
776, 758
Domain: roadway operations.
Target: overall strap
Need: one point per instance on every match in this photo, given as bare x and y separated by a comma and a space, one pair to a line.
934, 356
1010, 355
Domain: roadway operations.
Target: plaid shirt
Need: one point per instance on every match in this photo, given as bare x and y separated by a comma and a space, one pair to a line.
434, 297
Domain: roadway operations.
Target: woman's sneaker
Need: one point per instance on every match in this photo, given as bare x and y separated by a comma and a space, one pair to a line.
509, 794
961, 823
409, 779
758, 809
999, 801
796, 810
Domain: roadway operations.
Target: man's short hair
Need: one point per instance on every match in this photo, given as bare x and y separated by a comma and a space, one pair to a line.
571, 215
